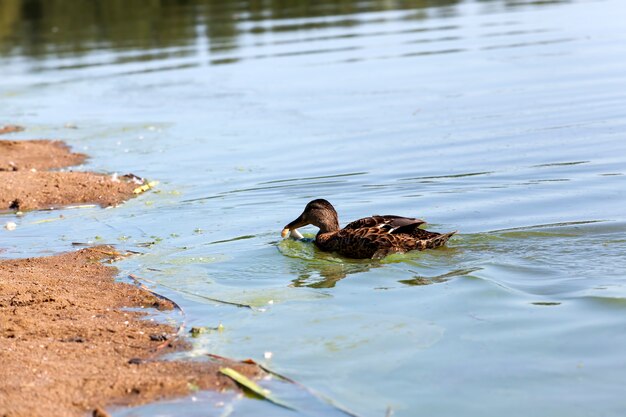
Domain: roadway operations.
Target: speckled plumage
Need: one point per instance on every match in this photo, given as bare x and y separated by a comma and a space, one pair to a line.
371, 237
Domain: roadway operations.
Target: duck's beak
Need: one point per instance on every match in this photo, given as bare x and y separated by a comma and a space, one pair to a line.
299, 222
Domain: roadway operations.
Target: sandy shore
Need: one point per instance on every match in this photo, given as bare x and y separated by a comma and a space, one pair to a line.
26, 190
10, 129
23, 155
69, 345
26, 185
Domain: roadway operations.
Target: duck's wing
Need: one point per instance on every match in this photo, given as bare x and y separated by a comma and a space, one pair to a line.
364, 242
389, 224
375, 242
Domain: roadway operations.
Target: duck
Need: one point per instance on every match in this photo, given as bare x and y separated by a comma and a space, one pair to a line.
373, 237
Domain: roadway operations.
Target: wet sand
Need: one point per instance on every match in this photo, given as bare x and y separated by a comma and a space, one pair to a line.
21, 155
26, 185
26, 190
69, 344
10, 129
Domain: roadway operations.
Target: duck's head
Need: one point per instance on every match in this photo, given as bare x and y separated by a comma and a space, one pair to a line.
319, 213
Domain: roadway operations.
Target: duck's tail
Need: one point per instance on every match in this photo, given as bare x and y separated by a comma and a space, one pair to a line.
441, 240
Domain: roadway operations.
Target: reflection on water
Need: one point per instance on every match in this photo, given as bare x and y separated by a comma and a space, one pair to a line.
212, 30
316, 269
502, 119
113, 23
421, 280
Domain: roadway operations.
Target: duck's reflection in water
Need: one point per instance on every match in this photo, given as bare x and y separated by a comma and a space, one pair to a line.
325, 274
317, 269
425, 280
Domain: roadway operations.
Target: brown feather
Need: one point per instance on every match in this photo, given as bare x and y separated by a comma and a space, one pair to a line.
369, 237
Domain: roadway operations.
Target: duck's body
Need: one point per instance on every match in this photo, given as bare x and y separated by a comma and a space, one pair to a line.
371, 237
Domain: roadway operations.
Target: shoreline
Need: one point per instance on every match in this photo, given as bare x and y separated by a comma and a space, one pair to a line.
26, 182
71, 345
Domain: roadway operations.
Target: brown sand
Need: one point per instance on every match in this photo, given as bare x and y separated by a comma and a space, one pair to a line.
66, 346
26, 190
65, 342
24, 184
10, 129
19, 155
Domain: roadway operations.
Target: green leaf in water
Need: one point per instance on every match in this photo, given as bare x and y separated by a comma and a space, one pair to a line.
197, 331
252, 386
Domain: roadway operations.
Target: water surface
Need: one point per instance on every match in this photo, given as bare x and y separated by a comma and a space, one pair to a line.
501, 119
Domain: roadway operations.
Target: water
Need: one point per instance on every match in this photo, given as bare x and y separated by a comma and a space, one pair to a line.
501, 119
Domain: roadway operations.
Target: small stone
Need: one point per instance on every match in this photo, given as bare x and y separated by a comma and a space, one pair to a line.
99, 412
10, 226
76, 339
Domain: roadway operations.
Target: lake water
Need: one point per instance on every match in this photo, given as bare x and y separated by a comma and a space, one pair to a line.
502, 119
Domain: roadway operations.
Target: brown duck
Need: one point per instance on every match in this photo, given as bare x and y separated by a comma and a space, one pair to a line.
371, 237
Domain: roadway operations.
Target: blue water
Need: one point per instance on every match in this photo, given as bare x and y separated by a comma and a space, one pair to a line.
503, 120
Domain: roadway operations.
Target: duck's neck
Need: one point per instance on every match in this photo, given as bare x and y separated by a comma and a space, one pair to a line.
328, 225
325, 239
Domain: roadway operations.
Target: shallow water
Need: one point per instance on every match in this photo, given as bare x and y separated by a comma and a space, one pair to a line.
501, 119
